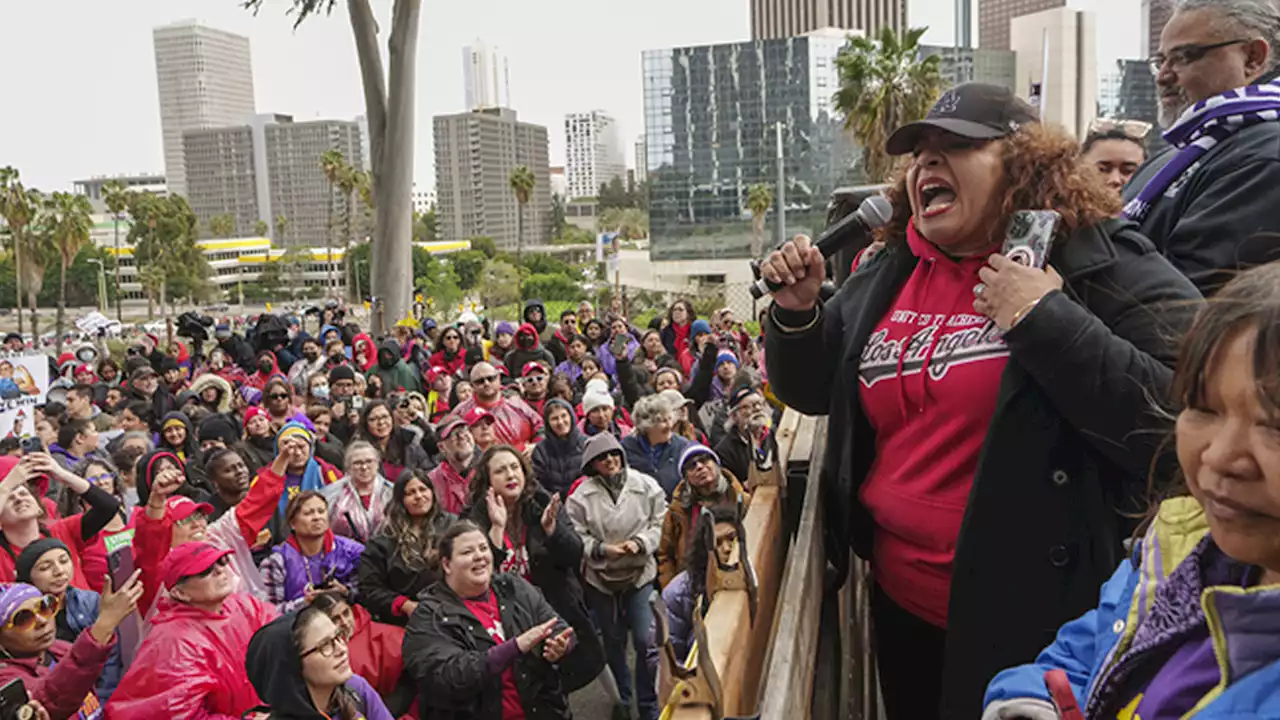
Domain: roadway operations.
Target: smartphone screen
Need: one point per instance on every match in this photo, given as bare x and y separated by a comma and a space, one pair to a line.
1029, 237
13, 696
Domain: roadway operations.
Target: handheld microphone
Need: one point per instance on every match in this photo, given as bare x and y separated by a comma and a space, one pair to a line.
854, 228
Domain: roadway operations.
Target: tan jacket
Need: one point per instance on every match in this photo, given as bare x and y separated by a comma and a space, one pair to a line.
677, 528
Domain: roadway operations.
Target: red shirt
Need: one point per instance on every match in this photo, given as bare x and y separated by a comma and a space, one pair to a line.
487, 612
930, 426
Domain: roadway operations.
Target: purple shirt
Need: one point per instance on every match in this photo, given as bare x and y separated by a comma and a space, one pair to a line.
1186, 677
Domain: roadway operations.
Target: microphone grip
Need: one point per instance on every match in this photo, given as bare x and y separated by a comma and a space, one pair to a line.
763, 287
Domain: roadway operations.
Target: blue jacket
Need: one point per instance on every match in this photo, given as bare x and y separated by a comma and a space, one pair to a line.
659, 464
82, 613
1089, 647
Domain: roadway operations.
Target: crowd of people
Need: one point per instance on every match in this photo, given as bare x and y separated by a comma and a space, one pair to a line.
462, 520
1008, 440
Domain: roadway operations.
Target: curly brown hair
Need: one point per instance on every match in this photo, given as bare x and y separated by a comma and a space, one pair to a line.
1042, 170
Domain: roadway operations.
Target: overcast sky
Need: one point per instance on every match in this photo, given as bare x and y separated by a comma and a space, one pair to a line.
80, 88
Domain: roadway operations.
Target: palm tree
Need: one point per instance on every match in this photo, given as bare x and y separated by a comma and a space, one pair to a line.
282, 224
522, 185
68, 221
19, 207
260, 228
348, 183
759, 200
884, 83
338, 173
117, 200
222, 226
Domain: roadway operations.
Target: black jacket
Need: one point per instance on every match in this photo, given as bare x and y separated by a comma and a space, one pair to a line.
383, 575
557, 462
553, 569
445, 647
736, 455
1206, 228
1071, 441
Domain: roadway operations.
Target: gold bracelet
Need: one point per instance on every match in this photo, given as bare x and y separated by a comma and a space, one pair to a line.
1024, 311
788, 330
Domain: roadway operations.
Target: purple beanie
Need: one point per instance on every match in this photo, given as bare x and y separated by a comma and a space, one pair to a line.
693, 451
504, 328
12, 595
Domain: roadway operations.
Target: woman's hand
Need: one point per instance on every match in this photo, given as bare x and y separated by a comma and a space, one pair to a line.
116, 606
530, 638
1009, 289
799, 266
549, 516
497, 511
558, 646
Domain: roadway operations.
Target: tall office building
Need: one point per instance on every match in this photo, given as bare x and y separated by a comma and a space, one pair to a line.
779, 19
710, 129
1155, 14
205, 79
475, 154
593, 152
642, 159
486, 76
271, 167
1069, 86
996, 67
994, 17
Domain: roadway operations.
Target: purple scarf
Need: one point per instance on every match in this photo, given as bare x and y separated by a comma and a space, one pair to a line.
1200, 129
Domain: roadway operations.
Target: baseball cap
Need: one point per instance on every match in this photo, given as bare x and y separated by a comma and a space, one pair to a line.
179, 508
531, 367
976, 111
675, 398
476, 415
145, 371
435, 372
191, 558
449, 425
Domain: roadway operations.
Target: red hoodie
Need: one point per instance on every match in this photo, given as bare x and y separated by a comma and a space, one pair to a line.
930, 427
363, 352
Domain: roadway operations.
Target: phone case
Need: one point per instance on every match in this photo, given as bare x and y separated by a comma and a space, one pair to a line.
1029, 237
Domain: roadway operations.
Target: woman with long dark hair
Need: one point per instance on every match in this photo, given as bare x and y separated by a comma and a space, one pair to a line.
675, 334
402, 560
449, 354
100, 473
399, 447
532, 537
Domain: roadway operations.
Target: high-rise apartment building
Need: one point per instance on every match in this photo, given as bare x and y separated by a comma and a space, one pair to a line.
1069, 85
777, 19
593, 152
1155, 14
205, 80
995, 67
711, 133
270, 167
475, 154
486, 76
994, 17
93, 187
642, 159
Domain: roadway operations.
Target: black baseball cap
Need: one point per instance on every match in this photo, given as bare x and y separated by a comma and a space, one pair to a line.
977, 111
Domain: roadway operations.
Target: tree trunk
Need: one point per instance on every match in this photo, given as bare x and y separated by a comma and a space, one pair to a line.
60, 322
164, 311
519, 249
17, 271
119, 292
391, 149
35, 319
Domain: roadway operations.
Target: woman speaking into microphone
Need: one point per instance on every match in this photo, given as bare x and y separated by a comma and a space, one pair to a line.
990, 422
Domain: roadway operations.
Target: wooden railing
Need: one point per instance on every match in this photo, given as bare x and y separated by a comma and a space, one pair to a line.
807, 655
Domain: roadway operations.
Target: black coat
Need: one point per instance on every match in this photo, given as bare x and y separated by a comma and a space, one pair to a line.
1071, 441
553, 568
445, 648
384, 576
557, 462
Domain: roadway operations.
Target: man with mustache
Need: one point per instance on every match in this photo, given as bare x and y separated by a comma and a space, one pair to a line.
1204, 198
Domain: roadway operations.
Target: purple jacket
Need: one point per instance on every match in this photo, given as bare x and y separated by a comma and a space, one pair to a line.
287, 573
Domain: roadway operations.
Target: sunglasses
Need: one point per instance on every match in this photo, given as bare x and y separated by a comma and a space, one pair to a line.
25, 619
220, 563
1133, 129
485, 379
99, 479
278, 396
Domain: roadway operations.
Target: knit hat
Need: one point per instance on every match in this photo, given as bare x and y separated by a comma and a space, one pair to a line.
341, 372
695, 450
600, 444
251, 395
699, 327
726, 356
218, 427
12, 596
668, 369
597, 385
222, 331
504, 328
593, 400
253, 412
31, 554
294, 428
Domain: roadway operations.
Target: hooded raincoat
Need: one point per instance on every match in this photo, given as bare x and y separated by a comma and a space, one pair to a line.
518, 355
396, 375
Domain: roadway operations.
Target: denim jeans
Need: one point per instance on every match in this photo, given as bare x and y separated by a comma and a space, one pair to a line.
617, 614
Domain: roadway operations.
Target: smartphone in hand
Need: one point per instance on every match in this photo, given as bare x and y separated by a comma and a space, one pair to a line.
1029, 237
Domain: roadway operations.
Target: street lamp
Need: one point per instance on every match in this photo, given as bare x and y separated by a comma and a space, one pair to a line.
102, 285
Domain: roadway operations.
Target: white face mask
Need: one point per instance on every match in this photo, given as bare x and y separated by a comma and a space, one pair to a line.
321, 391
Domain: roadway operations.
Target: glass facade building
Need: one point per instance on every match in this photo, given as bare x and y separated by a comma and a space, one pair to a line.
710, 118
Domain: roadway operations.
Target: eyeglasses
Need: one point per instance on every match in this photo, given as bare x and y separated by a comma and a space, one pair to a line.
329, 646
277, 396
99, 479
219, 563
1133, 129
366, 462
25, 619
485, 379
1185, 55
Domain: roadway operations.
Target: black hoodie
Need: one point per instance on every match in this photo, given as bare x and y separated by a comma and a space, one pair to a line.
275, 670
545, 329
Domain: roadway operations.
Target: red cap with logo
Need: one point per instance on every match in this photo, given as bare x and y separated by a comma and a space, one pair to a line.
189, 559
476, 415
531, 367
179, 508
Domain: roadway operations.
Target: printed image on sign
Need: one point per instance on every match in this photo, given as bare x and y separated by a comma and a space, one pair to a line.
24, 382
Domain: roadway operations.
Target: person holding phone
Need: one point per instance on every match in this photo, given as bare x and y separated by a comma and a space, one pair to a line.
60, 675
313, 559
621, 344
485, 644
961, 386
